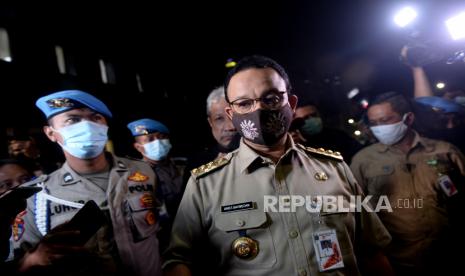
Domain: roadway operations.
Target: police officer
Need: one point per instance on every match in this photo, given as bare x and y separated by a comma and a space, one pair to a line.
224, 224
122, 188
12, 174
152, 141
420, 176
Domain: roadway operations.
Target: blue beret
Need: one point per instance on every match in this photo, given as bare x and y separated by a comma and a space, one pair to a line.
147, 126
442, 104
62, 101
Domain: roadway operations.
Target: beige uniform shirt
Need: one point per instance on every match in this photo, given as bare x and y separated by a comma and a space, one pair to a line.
203, 231
411, 183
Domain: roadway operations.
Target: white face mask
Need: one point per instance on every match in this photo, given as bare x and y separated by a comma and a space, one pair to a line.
392, 133
158, 149
84, 140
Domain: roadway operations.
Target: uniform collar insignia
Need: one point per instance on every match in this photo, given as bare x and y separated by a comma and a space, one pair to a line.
67, 177
121, 165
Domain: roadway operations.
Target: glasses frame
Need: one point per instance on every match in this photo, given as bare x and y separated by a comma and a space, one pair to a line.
234, 107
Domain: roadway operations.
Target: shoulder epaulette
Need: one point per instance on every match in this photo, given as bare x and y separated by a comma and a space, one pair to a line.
36, 181
211, 166
323, 153
132, 158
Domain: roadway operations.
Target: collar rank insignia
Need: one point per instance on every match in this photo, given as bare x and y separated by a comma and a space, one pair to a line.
141, 130
138, 177
60, 103
121, 165
67, 177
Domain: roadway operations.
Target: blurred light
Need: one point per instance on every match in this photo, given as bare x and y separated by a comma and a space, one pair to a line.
456, 26
230, 63
357, 133
60, 55
440, 85
103, 71
140, 88
351, 121
352, 93
364, 103
5, 53
405, 16
457, 57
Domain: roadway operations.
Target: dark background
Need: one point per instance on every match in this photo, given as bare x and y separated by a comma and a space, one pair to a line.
179, 50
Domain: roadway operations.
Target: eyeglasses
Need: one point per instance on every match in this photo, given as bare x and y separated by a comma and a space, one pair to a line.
272, 100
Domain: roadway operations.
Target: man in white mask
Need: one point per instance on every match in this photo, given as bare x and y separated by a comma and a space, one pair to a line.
152, 141
420, 176
123, 189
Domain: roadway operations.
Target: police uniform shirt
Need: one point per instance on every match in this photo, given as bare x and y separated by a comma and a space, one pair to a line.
128, 202
411, 183
169, 184
284, 239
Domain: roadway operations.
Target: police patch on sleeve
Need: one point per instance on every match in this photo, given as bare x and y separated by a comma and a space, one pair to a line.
150, 218
18, 226
138, 177
146, 201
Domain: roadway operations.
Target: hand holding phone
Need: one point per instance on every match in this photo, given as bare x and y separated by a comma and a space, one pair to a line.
87, 221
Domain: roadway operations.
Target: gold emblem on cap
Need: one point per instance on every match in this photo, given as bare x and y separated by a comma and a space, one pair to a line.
140, 129
321, 176
60, 103
245, 248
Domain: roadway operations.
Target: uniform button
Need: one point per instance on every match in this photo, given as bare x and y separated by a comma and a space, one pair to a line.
293, 234
240, 223
302, 272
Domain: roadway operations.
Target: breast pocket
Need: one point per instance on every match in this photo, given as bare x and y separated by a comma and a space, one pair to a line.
141, 216
255, 225
378, 180
343, 223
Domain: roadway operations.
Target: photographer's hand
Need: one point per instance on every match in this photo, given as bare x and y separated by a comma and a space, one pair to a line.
422, 88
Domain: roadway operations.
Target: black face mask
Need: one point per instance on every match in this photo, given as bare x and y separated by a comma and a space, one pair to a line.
263, 126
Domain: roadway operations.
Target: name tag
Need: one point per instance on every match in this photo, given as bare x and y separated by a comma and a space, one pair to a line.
447, 185
238, 207
327, 249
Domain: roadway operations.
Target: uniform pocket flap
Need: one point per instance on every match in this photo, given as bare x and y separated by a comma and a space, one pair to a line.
241, 220
379, 170
141, 202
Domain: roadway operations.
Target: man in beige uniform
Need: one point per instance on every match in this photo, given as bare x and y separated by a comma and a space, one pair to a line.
124, 189
222, 224
416, 174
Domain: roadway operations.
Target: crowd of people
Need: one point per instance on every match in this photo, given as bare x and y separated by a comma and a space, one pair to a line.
210, 215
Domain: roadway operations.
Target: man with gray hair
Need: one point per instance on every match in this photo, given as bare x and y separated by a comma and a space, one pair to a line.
226, 136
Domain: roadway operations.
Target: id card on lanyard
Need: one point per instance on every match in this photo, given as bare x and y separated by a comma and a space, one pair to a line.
327, 250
